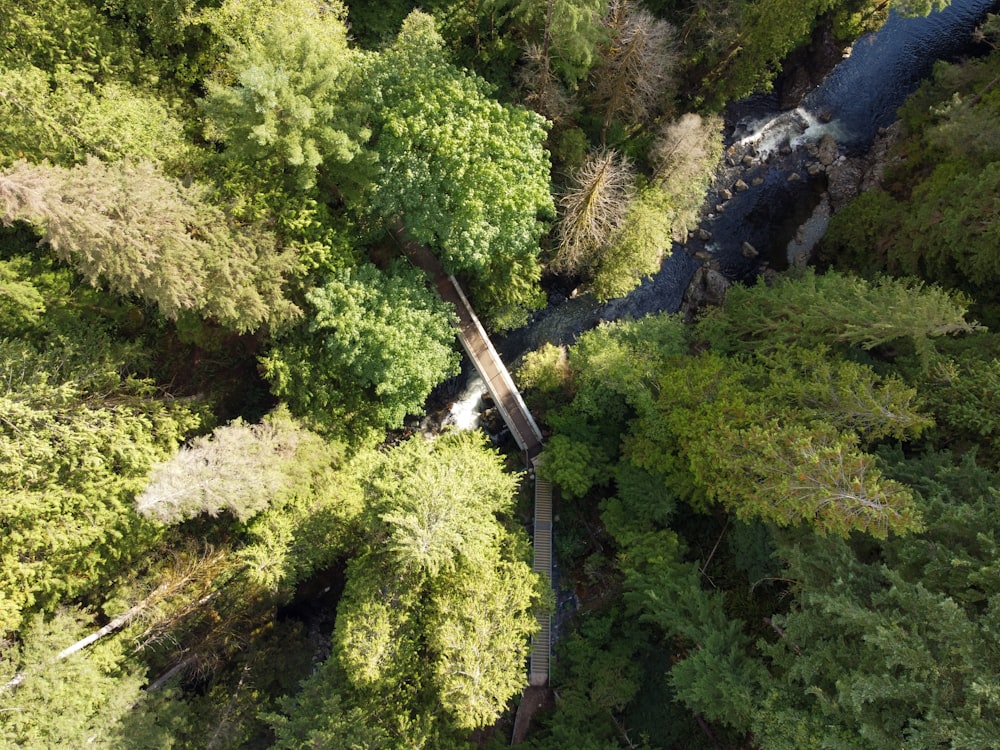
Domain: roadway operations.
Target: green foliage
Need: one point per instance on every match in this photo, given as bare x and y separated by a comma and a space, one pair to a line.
919, 7
65, 703
835, 309
63, 117
935, 216
371, 350
21, 303
570, 31
598, 677
142, 233
287, 104
464, 174
920, 662
432, 521
77, 441
432, 630
66, 34
610, 370
712, 432
545, 370
732, 49
684, 157
637, 250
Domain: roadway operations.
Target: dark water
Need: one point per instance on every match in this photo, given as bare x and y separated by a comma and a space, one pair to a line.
864, 92
860, 96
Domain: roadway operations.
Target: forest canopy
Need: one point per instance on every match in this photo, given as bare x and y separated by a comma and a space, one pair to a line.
223, 521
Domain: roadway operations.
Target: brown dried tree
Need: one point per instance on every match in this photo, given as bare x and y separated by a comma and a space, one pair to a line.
637, 65
592, 209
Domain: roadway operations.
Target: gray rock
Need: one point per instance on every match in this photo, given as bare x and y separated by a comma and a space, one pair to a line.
747, 161
794, 177
740, 186
844, 181
704, 235
748, 250
708, 287
826, 152
757, 181
725, 194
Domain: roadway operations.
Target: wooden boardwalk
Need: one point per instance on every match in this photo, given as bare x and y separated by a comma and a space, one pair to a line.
522, 426
541, 643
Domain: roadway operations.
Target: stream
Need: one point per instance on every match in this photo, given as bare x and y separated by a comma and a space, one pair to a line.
860, 96
781, 211
771, 219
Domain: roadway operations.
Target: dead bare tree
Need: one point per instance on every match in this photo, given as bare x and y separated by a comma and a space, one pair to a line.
636, 69
592, 209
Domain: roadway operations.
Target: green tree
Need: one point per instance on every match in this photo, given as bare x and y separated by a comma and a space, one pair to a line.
464, 174
919, 615
63, 117
372, 348
71, 34
287, 104
139, 232
684, 156
65, 703
834, 309
432, 630
568, 33
77, 441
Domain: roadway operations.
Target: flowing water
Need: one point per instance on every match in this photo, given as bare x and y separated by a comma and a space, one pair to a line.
774, 213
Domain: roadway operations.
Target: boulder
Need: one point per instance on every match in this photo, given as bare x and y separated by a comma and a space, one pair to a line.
740, 186
827, 150
708, 287
844, 182
748, 250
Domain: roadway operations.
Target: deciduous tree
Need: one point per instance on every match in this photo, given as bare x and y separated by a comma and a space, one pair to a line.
373, 346
464, 174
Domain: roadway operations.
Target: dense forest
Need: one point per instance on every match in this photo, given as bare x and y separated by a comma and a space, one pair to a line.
220, 529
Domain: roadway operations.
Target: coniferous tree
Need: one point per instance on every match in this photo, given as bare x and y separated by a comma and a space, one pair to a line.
592, 210
130, 227
288, 103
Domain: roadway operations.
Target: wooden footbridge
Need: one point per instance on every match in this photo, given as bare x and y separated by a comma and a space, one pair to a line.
519, 421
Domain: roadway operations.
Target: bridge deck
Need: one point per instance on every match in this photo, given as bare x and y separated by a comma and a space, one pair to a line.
484, 357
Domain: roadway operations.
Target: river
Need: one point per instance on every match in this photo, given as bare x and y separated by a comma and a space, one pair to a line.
860, 95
